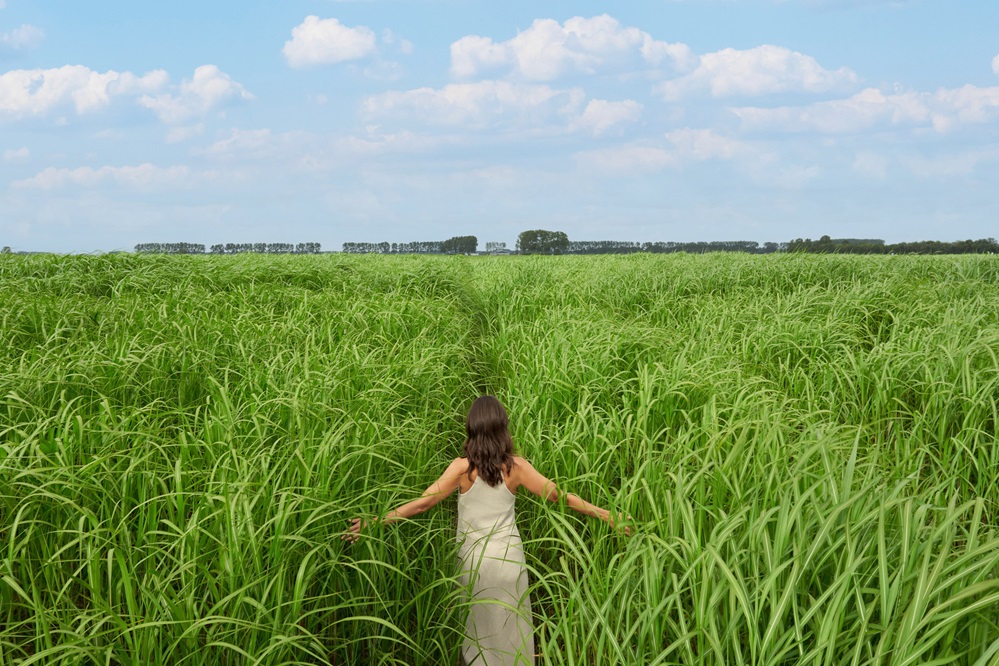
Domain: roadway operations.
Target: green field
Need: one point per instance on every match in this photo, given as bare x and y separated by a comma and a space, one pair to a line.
807, 445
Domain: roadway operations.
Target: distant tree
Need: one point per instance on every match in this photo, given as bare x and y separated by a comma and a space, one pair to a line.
495, 246
460, 245
5, 250
542, 241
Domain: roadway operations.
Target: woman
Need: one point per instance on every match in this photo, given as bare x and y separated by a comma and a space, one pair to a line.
498, 630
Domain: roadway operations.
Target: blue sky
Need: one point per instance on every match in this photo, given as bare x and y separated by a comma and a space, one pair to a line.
409, 120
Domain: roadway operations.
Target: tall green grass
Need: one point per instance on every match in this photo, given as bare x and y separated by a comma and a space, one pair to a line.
806, 443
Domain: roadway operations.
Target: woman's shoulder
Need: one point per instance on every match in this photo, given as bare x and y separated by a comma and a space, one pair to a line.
518, 467
459, 465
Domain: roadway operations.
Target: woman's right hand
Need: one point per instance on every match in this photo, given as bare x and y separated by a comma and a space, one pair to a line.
622, 522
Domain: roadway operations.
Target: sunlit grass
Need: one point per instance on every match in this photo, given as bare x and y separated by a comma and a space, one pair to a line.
807, 444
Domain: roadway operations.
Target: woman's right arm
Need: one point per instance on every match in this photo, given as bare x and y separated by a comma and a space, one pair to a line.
536, 482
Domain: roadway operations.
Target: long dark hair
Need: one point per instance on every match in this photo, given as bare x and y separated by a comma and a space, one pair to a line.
488, 445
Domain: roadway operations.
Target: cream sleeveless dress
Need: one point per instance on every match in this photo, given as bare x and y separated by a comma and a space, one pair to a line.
499, 630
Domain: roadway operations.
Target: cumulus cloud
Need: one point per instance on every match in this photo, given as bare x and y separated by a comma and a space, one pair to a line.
23, 37
16, 154
209, 89
35, 92
549, 49
601, 116
758, 71
141, 176
871, 108
477, 105
995, 65
319, 41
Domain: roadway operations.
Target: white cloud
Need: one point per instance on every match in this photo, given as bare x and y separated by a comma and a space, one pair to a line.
141, 176
870, 108
548, 50
633, 158
946, 166
792, 177
242, 144
326, 41
16, 154
180, 134
704, 144
209, 89
871, 165
35, 92
297, 152
758, 71
477, 105
601, 116
383, 70
23, 37
679, 149
404, 46
682, 146
130, 84
848, 4
995, 65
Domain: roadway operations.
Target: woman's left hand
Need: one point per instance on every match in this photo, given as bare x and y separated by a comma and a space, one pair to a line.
353, 533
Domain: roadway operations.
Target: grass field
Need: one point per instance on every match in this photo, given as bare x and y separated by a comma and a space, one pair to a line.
807, 445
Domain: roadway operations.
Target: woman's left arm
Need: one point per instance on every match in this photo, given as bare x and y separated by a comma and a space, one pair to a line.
438, 490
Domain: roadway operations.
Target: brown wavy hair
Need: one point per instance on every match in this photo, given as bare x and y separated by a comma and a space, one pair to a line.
488, 445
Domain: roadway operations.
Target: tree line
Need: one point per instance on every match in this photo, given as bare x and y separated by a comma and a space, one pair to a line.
453, 245
540, 241
827, 245
229, 248
667, 247
543, 241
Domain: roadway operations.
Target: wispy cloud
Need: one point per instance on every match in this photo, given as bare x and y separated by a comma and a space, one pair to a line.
16, 154
477, 106
943, 110
22, 37
140, 176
